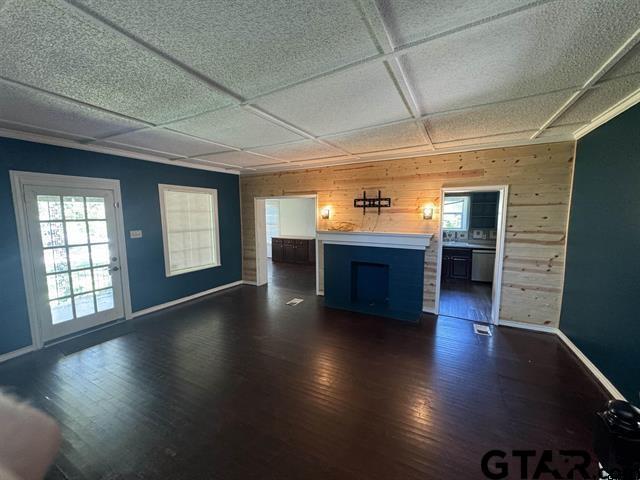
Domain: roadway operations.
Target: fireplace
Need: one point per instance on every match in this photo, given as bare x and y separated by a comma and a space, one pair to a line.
373, 273
370, 284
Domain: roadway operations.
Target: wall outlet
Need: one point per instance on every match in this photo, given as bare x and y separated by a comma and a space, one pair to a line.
135, 233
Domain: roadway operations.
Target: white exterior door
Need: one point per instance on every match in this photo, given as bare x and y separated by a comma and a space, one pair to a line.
76, 265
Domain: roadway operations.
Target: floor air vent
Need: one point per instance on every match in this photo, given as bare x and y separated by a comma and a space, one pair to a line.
479, 329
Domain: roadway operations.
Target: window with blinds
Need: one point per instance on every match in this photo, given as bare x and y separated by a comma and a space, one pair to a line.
189, 228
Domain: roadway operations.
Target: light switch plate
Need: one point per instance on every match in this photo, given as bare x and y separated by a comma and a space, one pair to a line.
135, 233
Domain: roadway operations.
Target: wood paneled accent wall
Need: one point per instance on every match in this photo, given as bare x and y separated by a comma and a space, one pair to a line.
539, 179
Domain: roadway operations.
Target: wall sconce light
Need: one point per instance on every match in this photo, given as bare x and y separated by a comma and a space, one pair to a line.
427, 213
325, 213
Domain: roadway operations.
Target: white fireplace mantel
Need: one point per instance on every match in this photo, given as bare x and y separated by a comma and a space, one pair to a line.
411, 241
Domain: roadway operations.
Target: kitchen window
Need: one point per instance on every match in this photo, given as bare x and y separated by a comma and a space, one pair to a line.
190, 231
455, 214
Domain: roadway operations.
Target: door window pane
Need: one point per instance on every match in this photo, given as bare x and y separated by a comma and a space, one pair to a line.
98, 232
76, 233
82, 281
104, 299
79, 257
52, 234
55, 260
84, 305
100, 254
95, 208
101, 278
61, 310
49, 207
73, 208
58, 285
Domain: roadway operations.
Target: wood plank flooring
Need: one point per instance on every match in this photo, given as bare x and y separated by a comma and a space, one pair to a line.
238, 385
466, 299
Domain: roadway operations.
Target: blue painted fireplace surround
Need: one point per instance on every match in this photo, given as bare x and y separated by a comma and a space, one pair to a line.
375, 280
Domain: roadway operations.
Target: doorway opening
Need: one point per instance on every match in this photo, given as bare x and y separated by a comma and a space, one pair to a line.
471, 252
286, 246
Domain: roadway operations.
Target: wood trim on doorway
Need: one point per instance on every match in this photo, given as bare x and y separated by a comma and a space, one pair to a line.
496, 291
261, 234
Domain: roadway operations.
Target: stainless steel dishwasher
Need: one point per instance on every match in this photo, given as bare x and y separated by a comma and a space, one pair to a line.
482, 264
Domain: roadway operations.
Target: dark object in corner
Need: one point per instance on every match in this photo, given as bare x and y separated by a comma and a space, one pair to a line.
617, 439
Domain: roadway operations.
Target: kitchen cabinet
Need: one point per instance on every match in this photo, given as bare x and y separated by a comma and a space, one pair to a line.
293, 250
484, 210
456, 263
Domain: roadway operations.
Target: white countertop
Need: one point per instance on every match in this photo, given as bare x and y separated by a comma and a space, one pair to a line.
486, 246
294, 237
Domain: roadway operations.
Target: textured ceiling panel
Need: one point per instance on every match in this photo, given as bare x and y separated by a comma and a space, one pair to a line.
47, 47
162, 140
251, 46
411, 20
380, 138
236, 127
354, 99
629, 64
26, 106
239, 159
508, 117
304, 150
597, 100
554, 46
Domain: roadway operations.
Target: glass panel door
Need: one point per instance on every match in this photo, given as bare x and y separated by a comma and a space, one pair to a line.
73, 234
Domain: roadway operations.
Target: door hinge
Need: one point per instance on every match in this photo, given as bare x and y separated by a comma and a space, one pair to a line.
116, 204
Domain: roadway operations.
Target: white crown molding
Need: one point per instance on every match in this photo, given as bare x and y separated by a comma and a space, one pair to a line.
397, 154
604, 117
61, 142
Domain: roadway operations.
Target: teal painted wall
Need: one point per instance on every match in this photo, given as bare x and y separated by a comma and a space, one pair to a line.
601, 301
141, 211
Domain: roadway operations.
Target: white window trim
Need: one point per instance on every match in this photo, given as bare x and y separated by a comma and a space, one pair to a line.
465, 215
162, 188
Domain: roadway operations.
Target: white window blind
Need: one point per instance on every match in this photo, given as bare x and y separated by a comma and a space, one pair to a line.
189, 228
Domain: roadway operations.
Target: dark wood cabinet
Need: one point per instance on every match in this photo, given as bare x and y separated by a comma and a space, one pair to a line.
293, 250
484, 209
456, 263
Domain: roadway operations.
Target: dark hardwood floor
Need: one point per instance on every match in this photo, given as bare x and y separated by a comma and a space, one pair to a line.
466, 299
238, 385
292, 276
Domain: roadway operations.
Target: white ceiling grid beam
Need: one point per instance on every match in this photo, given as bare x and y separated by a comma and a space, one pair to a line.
375, 21
89, 15
598, 74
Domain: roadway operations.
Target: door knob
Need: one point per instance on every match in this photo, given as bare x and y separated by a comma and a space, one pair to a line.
114, 269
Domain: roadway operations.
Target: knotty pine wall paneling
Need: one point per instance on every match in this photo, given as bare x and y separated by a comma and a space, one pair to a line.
539, 179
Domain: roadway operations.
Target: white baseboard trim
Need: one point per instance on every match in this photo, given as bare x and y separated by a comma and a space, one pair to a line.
429, 310
604, 381
320, 293
172, 303
250, 282
16, 353
527, 326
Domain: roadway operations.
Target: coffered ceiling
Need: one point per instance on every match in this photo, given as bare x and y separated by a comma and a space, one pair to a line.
267, 85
